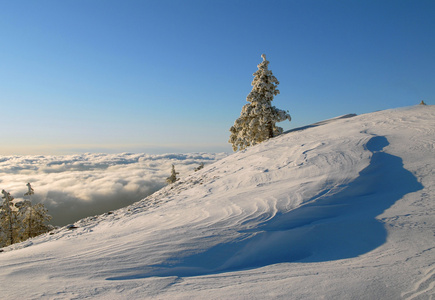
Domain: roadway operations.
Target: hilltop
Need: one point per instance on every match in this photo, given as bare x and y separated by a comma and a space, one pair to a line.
342, 209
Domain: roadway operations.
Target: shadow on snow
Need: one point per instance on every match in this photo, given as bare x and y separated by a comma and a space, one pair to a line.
321, 123
331, 227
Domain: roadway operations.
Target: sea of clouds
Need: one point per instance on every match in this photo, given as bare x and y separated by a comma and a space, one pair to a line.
72, 187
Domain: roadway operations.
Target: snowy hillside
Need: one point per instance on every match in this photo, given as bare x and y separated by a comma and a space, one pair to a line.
343, 209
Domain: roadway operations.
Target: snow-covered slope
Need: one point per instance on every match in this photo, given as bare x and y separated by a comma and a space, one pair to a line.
340, 210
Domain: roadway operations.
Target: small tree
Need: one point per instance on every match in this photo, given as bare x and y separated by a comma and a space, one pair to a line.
8, 219
173, 177
201, 166
22, 220
34, 218
257, 119
30, 190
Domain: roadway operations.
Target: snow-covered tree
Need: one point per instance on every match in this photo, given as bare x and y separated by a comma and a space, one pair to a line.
30, 190
34, 218
8, 219
201, 166
173, 177
21, 220
257, 119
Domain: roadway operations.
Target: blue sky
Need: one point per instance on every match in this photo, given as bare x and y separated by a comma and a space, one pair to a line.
172, 76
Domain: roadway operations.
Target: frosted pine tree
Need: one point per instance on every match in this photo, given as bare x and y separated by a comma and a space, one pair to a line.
8, 219
34, 218
173, 177
257, 119
21, 220
30, 190
201, 166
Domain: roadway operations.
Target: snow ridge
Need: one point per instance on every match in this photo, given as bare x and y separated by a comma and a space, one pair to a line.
338, 210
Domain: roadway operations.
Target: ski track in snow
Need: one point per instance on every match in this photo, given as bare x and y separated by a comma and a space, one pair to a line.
341, 209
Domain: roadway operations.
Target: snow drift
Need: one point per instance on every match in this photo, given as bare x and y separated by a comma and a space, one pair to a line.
339, 210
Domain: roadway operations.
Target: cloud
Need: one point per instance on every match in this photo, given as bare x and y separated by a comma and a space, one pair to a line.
72, 187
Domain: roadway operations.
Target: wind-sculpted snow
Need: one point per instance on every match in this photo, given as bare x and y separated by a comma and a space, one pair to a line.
341, 210
76, 186
338, 223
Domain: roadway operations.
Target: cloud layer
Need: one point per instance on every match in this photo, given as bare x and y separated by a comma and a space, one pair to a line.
76, 186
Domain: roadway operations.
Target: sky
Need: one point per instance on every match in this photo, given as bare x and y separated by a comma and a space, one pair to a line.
172, 76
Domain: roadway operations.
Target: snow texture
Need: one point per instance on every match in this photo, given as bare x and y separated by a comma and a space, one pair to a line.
342, 209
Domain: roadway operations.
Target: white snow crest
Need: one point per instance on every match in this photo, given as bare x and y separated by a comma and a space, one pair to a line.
340, 210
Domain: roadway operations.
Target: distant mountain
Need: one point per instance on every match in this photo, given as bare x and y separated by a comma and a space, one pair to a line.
341, 209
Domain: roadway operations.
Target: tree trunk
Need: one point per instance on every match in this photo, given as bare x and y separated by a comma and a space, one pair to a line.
270, 130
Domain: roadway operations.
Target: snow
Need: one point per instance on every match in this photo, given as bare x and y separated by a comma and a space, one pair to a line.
342, 209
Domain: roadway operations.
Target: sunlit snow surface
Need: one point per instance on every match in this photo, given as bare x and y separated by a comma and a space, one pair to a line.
340, 210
